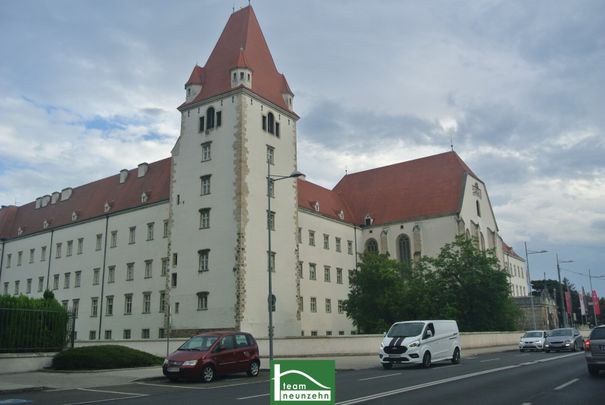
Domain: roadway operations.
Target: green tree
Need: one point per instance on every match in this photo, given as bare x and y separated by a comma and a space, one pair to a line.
461, 283
377, 290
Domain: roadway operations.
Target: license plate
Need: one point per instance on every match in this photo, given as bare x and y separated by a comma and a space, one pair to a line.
173, 369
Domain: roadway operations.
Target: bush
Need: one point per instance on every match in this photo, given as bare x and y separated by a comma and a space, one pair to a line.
103, 357
32, 324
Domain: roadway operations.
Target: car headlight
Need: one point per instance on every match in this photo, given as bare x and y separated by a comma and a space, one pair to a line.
190, 363
414, 344
165, 362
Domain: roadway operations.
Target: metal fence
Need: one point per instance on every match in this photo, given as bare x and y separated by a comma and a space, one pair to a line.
35, 330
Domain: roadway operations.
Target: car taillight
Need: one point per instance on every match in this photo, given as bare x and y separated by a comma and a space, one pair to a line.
587, 345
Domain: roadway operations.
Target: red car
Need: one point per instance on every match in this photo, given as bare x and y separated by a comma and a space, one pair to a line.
210, 354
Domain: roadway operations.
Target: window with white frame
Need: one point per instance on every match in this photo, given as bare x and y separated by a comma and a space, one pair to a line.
164, 266
338, 275
341, 306
58, 250
99, 241
56, 282
126, 334
313, 304
311, 238
146, 302
28, 289
145, 333
43, 254
350, 247
162, 301
114, 239
165, 233
40, 283
203, 260
96, 276
206, 151
70, 248
202, 300
78, 279
150, 230
31, 255
109, 305
80, 246
148, 268
328, 305
129, 271
108, 334
205, 185
19, 258
9, 257
132, 234
127, 304
338, 245
111, 274
204, 218
326, 241
66, 280
94, 306
327, 274
17, 282
75, 306
312, 271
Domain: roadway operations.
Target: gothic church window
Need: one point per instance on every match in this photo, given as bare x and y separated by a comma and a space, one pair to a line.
403, 244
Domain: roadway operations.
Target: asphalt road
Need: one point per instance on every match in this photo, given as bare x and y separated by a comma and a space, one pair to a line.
495, 378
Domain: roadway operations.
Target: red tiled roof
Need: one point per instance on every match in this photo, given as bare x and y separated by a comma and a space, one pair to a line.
88, 201
330, 203
510, 251
197, 76
421, 188
241, 43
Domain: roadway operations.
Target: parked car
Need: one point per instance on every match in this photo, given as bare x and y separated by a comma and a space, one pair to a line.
532, 340
594, 350
207, 355
564, 339
420, 342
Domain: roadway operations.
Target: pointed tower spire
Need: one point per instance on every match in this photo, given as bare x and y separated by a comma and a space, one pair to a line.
241, 57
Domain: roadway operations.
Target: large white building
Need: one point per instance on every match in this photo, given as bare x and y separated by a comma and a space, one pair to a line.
187, 235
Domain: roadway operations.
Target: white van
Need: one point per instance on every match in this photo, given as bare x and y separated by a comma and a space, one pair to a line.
420, 342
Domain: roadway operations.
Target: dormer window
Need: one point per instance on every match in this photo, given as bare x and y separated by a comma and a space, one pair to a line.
316, 206
341, 215
19, 231
144, 198
45, 224
368, 220
107, 207
74, 216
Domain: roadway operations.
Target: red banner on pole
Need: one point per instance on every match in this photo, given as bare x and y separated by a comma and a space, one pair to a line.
595, 302
568, 302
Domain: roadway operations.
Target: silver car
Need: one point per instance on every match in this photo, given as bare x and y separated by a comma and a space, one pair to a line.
564, 339
594, 350
532, 340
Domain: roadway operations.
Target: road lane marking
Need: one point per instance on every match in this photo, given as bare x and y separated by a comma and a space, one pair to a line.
446, 380
201, 388
379, 376
127, 395
253, 396
485, 361
568, 383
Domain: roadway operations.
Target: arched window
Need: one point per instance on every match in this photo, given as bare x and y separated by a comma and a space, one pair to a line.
210, 118
270, 123
403, 246
372, 246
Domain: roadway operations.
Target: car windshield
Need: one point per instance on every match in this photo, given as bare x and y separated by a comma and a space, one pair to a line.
561, 332
532, 334
199, 343
406, 329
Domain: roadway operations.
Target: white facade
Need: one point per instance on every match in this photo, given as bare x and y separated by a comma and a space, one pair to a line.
515, 267
198, 258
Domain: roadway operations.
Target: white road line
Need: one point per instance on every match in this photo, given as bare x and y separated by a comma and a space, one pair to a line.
485, 361
379, 376
445, 380
253, 396
185, 387
568, 383
127, 395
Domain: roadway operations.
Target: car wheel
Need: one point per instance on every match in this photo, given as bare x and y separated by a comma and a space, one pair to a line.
426, 360
546, 351
456, 356
207, 373
387, 366
521, 350
253, 369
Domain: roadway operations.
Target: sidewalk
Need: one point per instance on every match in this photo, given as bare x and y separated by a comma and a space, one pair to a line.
39, 380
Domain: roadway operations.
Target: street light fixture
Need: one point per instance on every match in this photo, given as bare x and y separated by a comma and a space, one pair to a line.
531, 296
563, 312
270, 303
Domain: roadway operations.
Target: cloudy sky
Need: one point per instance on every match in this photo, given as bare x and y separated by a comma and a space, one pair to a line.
90, 87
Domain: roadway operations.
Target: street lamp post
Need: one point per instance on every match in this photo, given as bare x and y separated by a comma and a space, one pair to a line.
531, 296
563, 312
270, 180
